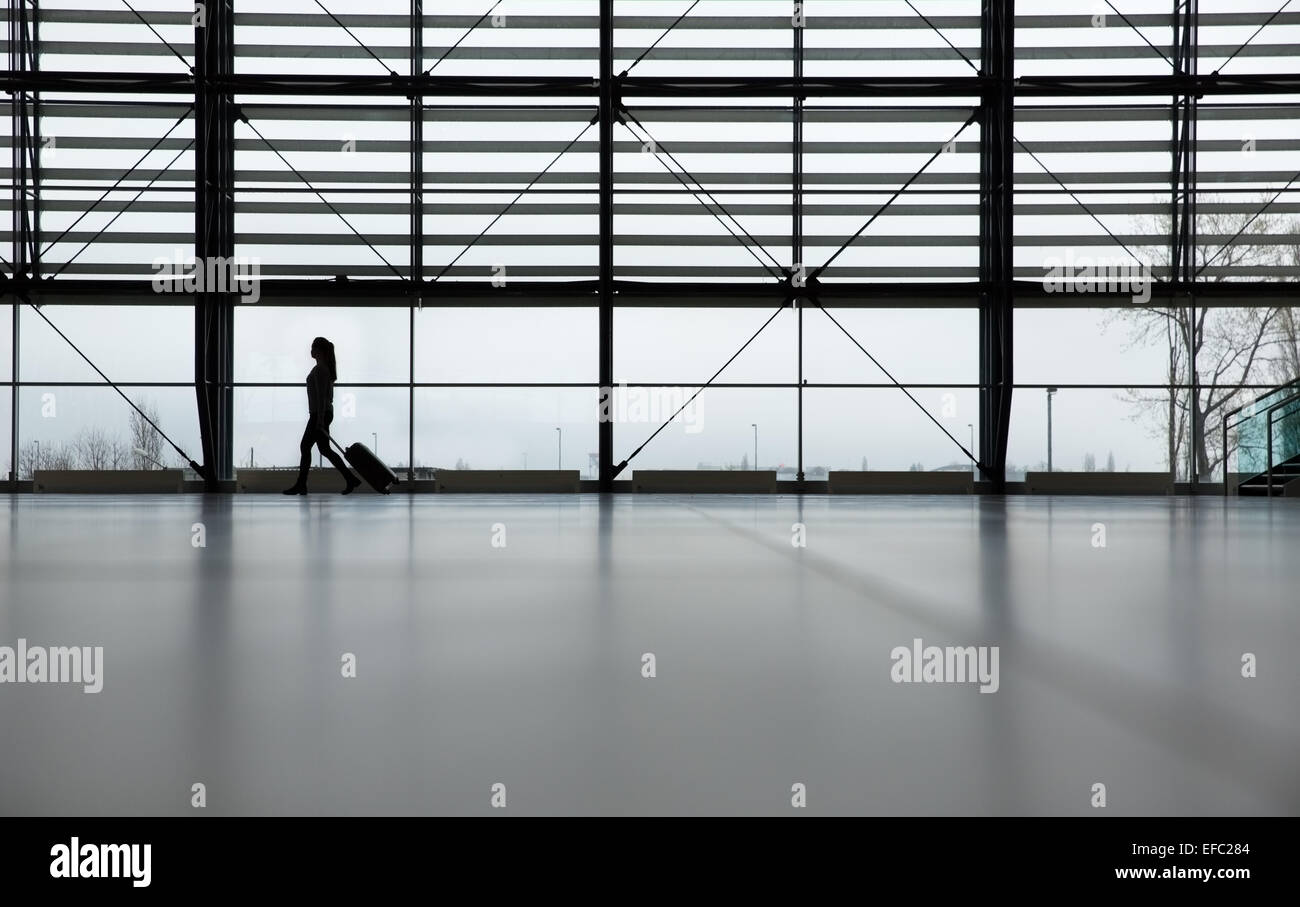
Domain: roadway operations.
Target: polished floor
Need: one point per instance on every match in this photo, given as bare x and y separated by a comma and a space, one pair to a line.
500, 640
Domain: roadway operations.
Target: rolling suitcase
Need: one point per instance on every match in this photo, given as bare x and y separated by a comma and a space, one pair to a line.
370, 467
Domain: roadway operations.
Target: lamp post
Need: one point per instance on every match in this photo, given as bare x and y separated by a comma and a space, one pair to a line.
754, 425
375, 437
559, 457
1051, 391
973, 467
144, 453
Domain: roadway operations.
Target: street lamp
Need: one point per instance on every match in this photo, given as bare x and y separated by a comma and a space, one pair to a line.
144, 453
754, 425
375, 437
1050, 392
974, 468
559, 437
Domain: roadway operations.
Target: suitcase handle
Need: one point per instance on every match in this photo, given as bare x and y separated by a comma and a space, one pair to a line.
335, 443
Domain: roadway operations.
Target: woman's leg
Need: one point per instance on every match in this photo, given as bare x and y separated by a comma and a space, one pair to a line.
323, 443
304, 448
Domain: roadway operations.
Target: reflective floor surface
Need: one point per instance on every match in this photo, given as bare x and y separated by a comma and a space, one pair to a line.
504, 640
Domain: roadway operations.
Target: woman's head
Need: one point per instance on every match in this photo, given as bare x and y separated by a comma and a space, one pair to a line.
323, 352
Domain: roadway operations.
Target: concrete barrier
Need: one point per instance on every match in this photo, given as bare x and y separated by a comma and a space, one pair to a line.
507, 480
704, 481
108, 481
274, 481
858, 482
1098, 483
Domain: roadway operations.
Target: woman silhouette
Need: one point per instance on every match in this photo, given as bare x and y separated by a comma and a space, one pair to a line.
320, 406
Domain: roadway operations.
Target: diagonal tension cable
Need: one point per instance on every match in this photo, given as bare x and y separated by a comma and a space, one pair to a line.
718, 204
37, 309
139, 192
1139, 34
184, 61
1078, 201
1244, 227
518, 196
876, 362
1252, 37
243, 116
360, 43
881, 210
118, 182
449, 50
621, 466
942, 35
660, 38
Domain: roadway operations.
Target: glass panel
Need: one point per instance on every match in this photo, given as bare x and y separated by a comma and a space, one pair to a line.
479, 224
1089, 429
94, 428
6, 342
506, 428
6, 431
928, 346
269, 423
716, 432
357, 157
274, 344
514, 344
130, 343
1092, 39
689, 345
1252, 433
116, 183
880, 429
1092, 346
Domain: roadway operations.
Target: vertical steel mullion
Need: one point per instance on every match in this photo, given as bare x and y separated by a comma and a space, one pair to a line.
1182, 240
417, 221
608, 109
796, 238
997, 196
214, 238
24, 37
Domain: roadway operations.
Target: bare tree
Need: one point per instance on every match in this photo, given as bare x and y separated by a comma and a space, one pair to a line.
1231, 346
94, 448
34, 455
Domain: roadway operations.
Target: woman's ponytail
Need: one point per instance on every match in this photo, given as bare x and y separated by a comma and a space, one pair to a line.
327, 348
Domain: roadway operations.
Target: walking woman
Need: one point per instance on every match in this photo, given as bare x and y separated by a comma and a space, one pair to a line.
320, 406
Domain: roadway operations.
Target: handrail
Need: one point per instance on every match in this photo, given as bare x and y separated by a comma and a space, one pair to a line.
1268, 453
1268, 413
1274, 390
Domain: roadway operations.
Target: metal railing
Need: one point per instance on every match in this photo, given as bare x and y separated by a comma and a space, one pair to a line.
1270, 420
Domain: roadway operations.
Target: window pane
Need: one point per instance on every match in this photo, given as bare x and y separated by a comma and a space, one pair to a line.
274, 344
513, 344
269, 423
128, 342
94, 428
506, 428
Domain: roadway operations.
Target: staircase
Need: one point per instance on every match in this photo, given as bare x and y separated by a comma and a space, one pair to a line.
1267, 442
1284, 472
